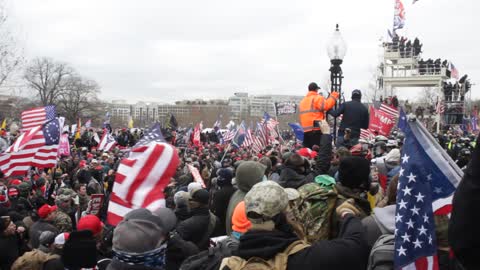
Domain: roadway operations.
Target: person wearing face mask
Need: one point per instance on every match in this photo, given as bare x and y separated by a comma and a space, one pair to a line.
144, 240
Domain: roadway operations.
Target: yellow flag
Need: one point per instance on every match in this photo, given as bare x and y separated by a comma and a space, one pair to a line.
79, 126
4, 123
130, 122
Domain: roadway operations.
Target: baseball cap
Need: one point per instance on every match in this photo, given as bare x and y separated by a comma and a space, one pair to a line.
313, 86
91, 223
356, 93
267, 199
61, 239
45, 210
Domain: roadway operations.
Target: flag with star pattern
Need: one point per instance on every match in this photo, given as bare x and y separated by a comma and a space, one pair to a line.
423, 178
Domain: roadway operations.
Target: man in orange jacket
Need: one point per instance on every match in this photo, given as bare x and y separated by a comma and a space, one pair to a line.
313, 108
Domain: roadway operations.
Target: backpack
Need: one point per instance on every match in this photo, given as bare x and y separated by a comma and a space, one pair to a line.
382, 253
279, 262
208, 259
314, 210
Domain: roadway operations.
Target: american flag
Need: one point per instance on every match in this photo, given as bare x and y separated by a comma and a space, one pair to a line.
248, 139
153, 134
366, 134
107, 142
454, 71
427, 175
440, 107
38, 150
228, 136
141, 178
390, 111
270, 125
37, 116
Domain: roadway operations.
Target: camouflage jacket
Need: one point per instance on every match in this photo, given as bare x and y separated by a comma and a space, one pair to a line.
62, 222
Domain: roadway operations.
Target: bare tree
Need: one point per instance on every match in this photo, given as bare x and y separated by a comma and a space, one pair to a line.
428, 96
11, 55
78, 98
48, 79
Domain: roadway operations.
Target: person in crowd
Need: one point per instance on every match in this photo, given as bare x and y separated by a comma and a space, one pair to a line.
9, 247
182, 210
270, 236
312, 110
221, 197
464, 220
47, 215
247, 174
142, 240
65, 208
199, 227
355, 117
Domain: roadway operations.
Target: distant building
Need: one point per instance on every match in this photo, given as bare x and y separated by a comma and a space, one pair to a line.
244, 107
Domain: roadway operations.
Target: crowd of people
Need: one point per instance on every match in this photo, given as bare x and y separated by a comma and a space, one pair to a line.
286, 207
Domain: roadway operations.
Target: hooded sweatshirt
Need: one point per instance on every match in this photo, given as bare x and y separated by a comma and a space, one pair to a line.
381, 222
247, 175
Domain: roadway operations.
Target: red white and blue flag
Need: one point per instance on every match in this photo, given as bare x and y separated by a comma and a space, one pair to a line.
239, 136
141, 179
38, 148
390, 111
37, 116
399, 16
454, 71
107, 142
426, 175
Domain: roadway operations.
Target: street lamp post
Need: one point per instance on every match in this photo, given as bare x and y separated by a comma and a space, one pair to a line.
336, 49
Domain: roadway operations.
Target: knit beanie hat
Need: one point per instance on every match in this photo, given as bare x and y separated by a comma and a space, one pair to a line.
46, 238
224, 177
240, 222
353, 171
200, 196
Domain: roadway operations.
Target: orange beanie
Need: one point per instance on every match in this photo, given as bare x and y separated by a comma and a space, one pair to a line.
240, 222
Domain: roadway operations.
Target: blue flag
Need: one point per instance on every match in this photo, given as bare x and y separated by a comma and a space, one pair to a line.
427, 173
153, 134
298, 130
239, 136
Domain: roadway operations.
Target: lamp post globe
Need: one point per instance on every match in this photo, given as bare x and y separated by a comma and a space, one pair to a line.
336, 50
336, 47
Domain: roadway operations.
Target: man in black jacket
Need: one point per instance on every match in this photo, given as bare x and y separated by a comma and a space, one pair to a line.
270, 235
355, 117
463, 228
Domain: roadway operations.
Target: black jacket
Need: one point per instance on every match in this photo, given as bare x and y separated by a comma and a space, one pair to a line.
463, 228
37, 228
221, 198
9, 251
194, 228
355, 116
349, 252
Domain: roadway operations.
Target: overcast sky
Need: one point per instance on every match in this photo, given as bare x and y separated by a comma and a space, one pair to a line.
157, 50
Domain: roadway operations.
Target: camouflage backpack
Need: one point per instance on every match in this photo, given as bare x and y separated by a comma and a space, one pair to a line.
314, 210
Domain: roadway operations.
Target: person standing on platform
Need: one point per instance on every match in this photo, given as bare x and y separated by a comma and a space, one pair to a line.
313, 109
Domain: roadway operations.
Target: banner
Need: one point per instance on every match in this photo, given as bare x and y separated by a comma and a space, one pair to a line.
95, 204
64, 146
196, 175
380, 122
285, 108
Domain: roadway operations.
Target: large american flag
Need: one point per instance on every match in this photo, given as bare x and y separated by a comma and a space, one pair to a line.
366, 134
228, 136
440, 107
390, 111
141, 178
426, 175
38, 149
107, 142
37, 116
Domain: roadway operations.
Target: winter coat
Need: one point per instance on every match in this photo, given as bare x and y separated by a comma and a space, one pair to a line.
355, 116
37, 228
194, 228
9, 250
182, 213
244, 185
382, 221
221, 198
348, 252
463, 233
289, 178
